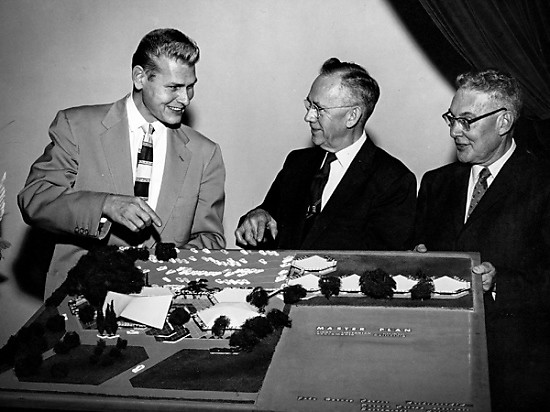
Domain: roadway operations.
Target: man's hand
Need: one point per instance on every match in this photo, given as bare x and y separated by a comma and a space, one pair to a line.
487, 272
130, 211
253, 228
485, 269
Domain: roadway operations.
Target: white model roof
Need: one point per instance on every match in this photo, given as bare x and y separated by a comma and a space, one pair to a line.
236, 312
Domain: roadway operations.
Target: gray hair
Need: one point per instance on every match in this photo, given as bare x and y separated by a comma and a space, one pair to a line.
356, 80
498, 85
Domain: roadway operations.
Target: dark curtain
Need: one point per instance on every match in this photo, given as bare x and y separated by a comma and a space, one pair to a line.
512, 36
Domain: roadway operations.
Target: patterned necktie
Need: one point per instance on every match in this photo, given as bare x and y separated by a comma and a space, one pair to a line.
479, 189
144, 164
318, 184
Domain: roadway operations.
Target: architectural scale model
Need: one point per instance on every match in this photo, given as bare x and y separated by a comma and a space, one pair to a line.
209, 326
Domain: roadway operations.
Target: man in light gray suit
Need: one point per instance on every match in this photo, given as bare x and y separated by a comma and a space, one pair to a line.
82, 187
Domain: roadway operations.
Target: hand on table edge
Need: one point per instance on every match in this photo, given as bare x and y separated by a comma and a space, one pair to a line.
253, 228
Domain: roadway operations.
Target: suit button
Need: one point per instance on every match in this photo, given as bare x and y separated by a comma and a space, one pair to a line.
76, 229
86, 232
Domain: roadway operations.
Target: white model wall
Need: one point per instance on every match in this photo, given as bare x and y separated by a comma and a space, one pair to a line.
259, 58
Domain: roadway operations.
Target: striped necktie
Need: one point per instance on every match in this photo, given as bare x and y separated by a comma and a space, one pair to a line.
479, 189
144, 164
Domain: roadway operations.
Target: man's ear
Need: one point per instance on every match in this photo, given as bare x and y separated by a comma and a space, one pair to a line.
505, 122
139, 77
354, 115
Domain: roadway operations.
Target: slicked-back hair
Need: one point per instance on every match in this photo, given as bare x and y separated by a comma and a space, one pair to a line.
170, 43
357, 82
500, 86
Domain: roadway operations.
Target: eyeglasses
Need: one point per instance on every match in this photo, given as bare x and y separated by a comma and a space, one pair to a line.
317, 110
464, 122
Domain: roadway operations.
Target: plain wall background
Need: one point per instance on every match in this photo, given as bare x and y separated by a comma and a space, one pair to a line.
258, 60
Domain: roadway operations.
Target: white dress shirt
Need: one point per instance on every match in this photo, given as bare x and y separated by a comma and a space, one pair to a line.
340, 166
135, 123
493, 168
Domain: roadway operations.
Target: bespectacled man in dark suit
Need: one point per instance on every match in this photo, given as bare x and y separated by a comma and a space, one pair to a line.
495, 200
369, 199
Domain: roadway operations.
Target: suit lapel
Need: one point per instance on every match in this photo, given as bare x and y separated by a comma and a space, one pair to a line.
359, 171
178, 158
115, 141
457, 198
498, 189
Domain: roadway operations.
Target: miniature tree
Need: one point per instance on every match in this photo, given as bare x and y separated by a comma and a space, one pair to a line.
377, 284
259, 298
69, 341
137, 253
28, 343
278, 319
244, 339
101, 270
293, 294
166, 251
179, 316
111, 324
423, 288
259, 325
330, 286
100, 322
86, 313
220, 326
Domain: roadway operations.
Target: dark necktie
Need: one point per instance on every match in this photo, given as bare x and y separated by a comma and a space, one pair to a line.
479, 189
316, 191
144, 164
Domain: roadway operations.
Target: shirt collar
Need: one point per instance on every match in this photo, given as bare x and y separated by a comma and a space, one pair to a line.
495, 167
347, 154
136, 119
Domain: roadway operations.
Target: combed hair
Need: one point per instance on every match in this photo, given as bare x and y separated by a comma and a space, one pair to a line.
356, 80
499, 85
170, 43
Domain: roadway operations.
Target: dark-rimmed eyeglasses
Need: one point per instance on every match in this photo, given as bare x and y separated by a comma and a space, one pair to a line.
463, 122
317, 110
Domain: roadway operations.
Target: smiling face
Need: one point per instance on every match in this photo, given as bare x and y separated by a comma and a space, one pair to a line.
165, 95
332, 129
487, 140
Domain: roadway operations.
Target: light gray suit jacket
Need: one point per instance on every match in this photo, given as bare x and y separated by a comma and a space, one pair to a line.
89, 158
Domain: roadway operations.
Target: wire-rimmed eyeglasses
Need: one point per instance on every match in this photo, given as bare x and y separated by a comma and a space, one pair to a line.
317, 110
464, 122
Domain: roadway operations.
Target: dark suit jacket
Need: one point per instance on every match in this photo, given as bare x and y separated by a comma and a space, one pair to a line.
89, 157
371, 209
510, 227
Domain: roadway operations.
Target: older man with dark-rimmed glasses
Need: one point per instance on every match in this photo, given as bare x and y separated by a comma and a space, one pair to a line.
495, 200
